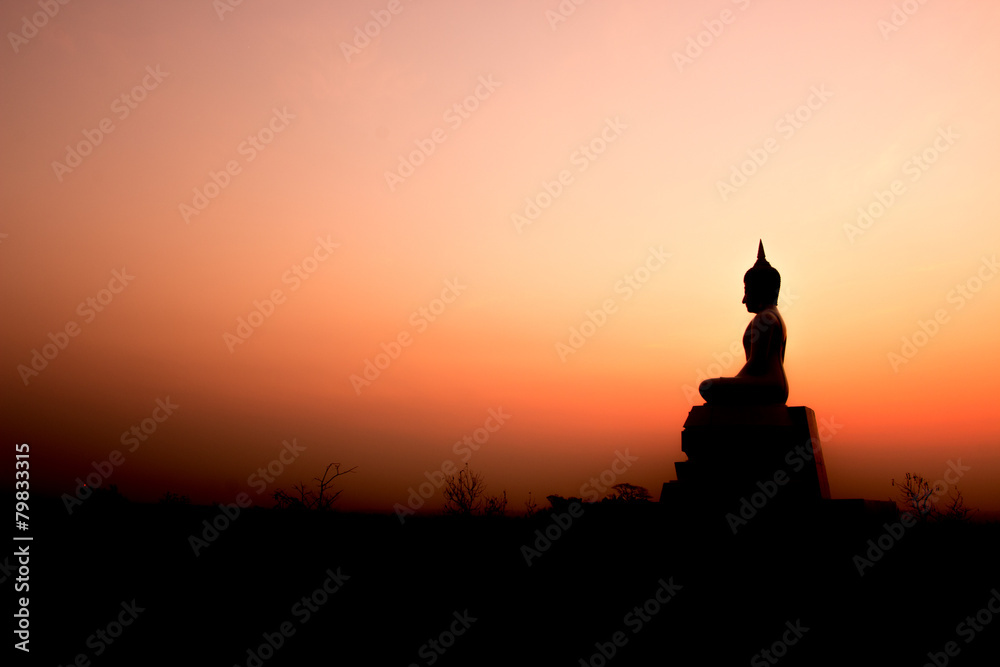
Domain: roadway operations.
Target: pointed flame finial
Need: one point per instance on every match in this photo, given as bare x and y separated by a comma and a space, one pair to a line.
761, 262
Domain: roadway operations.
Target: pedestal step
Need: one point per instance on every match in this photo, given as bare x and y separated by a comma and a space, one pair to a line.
737, 451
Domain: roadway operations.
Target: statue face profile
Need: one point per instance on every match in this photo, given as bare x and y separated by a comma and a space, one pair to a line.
757, 298
762, 379
753, 300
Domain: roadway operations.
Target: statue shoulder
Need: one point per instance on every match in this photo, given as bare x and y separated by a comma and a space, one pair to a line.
769, 317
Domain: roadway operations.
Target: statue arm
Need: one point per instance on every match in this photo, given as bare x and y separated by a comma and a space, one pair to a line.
763, 334
762, 378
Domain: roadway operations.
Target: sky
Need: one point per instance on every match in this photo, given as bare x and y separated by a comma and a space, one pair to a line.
412, 235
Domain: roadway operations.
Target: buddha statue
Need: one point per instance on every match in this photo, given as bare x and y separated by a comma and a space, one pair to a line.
762, 379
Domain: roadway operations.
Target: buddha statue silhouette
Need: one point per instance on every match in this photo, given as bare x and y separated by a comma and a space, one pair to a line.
762, 379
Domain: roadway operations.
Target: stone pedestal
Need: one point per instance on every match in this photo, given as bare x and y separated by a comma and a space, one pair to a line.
738, 451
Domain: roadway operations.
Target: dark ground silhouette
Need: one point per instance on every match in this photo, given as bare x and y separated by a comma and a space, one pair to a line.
672, 587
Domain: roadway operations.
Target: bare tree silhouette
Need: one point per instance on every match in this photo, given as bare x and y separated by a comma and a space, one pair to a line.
463, 493
956, 510
530, 506
496, 505
918, 497
322, 499
629, 493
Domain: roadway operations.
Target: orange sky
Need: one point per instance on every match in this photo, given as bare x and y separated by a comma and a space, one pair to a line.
273, 163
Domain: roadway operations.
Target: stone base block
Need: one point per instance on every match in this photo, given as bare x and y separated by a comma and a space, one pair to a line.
738, 451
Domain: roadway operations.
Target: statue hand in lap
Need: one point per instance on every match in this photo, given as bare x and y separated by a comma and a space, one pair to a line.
762, 379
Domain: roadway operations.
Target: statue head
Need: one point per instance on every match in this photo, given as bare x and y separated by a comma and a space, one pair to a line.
761, 284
